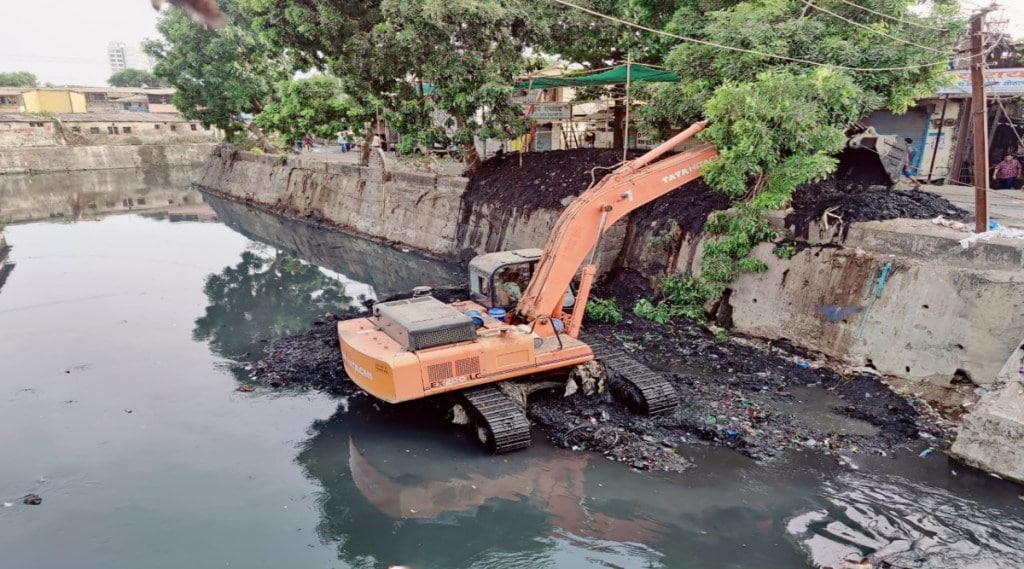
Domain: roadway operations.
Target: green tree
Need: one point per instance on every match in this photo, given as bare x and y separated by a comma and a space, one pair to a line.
134, 78
18, 79
219, 75
577, 37
777, 121
409, 58
311, 106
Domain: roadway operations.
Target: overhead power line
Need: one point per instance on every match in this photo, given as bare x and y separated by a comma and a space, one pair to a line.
894, 18
811, 4
743, 50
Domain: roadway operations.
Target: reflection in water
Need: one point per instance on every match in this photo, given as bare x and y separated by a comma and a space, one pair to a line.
6, 266
383, 268
77, 195
265, 296
397, 489
911, 525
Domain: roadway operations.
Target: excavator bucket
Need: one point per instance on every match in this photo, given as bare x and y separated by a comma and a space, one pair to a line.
872, 159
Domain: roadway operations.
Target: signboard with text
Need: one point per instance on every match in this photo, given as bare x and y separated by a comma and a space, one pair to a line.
997, 82
549, 112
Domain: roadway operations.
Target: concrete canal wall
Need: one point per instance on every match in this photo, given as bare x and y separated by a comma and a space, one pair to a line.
944, 311
30, 160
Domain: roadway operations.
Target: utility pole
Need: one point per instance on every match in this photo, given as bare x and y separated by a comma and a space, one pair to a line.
979, 112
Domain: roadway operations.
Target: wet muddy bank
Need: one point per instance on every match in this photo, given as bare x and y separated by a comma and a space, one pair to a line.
760, 398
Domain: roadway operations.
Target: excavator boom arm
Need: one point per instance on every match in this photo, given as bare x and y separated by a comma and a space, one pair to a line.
579, 228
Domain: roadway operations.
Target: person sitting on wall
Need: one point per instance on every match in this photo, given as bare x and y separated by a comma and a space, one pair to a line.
1006, 173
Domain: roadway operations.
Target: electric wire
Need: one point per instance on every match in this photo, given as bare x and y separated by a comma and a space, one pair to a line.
743, 50
893, 18
810, 4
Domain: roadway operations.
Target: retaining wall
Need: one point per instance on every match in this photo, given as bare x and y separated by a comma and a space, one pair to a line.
943, 310
29, 160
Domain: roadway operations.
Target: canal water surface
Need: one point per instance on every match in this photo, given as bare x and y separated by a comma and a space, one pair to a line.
123, 336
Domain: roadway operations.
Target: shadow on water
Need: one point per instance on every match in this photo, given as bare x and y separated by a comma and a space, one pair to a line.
385, 269
76, 195
6, 266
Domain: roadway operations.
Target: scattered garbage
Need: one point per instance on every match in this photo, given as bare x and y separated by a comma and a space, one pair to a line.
926, 452
1002, 233
32, 499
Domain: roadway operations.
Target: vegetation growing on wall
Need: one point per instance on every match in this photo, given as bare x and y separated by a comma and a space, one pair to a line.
776, 121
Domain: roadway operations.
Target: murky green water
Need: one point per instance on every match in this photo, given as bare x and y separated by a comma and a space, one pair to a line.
118, 337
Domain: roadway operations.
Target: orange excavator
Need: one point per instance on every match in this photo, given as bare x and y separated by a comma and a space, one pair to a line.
419, 347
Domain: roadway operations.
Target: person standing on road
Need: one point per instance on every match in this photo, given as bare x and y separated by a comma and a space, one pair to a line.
908, 163
1006, 173
343, 141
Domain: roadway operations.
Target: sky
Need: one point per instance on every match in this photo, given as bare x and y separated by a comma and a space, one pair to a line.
64, 42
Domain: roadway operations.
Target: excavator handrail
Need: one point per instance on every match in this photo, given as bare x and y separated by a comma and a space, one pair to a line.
578, 230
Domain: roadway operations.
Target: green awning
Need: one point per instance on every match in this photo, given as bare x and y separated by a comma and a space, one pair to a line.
614, 76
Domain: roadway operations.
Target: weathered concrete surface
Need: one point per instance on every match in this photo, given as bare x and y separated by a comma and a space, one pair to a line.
943, 308
992, 436
71, 158
385, 269
421, 211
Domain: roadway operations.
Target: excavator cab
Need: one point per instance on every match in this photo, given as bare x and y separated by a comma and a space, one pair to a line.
497, 280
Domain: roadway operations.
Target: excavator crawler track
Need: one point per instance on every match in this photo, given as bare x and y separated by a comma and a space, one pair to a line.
643, 390
499, 420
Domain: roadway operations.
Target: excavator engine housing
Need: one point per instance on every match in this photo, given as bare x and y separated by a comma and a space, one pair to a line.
423, 322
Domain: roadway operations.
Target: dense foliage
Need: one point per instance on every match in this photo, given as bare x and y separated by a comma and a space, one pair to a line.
312, 106
219, 75
435, 70
134, 78
18, 79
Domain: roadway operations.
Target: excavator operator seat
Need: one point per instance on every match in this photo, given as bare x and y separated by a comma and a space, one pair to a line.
498, 280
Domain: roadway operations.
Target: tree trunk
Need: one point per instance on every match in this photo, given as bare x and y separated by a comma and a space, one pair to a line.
470, 156
258, 136
472, 159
